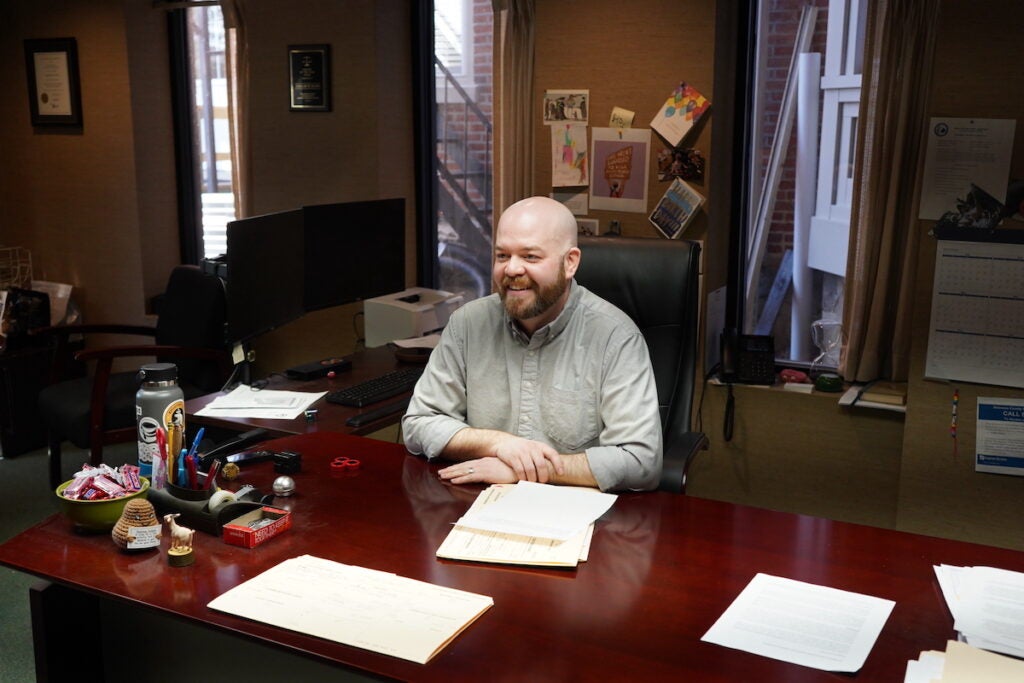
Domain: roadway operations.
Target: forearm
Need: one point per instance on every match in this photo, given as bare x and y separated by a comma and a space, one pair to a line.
575, 472
470, 443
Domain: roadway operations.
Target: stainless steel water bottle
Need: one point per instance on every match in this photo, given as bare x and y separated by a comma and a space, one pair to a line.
159, 403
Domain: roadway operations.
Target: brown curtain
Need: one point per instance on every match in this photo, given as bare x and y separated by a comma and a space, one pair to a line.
884, 238
514, 112
238, 111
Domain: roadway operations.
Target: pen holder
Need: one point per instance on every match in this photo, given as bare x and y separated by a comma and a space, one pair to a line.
194, 507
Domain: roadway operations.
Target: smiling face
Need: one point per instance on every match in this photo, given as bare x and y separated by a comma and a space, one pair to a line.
535, 257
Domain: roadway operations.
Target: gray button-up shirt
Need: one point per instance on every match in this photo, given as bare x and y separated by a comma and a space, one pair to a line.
582, 383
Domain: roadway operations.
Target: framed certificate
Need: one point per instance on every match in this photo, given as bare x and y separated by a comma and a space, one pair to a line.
53, 88
309, 70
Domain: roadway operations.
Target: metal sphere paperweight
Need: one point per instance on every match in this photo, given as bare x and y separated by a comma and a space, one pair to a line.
284, 486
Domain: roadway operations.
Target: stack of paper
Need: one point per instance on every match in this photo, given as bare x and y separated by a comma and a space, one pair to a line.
267, 404
961, 663
987, 606
356, 606
527, 523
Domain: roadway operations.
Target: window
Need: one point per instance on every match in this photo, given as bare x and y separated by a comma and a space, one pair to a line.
205, 169
463, 152
801, 174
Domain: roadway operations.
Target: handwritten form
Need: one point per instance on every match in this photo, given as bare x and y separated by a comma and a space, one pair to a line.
801, 623
464, 543
361, 607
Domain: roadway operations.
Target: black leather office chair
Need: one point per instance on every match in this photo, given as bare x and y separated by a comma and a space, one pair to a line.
99, 410
655, 282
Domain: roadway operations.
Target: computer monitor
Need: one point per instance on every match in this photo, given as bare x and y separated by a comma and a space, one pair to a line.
265, 284
354, 251
283, 265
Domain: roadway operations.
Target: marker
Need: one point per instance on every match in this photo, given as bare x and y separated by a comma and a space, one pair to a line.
195, 442
211, 475
182, 480
190, 465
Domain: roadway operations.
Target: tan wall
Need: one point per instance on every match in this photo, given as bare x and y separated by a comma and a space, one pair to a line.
630, 56
97, 206
797, 453
362, 149
977, 68
70, 196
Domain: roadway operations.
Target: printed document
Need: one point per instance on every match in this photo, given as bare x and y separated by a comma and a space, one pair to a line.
475, 545
801, 623
361, 607
987, 605
541, 510
267, 404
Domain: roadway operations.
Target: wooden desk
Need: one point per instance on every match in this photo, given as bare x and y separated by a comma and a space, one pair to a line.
331, 417
662, 569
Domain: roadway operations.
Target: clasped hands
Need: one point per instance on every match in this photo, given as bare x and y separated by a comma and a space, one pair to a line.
514, 459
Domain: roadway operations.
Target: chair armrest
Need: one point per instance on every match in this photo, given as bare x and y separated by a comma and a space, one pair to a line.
99, 328
107, 354
677, 458
150, 350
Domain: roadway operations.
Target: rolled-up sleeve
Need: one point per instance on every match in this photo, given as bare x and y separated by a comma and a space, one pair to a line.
438, 406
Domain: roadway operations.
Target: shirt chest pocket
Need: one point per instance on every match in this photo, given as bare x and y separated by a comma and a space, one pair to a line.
571, 419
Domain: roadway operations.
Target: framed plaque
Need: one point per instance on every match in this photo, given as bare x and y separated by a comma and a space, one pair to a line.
309, 70
53, 88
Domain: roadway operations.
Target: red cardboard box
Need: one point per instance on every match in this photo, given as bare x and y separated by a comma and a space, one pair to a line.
257, 526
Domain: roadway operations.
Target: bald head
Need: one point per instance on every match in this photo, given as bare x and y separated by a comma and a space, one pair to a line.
548, 220
535, 257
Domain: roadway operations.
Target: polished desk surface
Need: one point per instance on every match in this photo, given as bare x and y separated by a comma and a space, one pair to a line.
366, 364
662, 568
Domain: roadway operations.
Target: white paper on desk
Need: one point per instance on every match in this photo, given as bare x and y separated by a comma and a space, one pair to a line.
427, 341
361, 607
801, 623
477, 545
541, 510
991, 609
267, 404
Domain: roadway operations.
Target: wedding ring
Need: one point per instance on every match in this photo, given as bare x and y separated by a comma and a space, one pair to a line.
471, 470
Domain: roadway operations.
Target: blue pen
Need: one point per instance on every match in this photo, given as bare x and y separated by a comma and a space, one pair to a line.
182, 479
195, 442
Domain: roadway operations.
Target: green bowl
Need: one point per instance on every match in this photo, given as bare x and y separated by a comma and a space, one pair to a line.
96, 515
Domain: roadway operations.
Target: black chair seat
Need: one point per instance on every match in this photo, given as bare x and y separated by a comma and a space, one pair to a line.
67, 405
656, 282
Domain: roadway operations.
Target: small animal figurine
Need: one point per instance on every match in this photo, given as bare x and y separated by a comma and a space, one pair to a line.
180, 553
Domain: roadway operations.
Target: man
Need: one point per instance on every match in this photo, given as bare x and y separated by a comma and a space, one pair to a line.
542, 381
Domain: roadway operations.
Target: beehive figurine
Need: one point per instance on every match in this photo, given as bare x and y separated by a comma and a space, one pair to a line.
138, 527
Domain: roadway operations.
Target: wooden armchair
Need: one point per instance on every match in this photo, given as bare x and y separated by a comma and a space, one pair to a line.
99, 409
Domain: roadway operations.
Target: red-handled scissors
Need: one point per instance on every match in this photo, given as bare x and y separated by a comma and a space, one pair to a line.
344, 463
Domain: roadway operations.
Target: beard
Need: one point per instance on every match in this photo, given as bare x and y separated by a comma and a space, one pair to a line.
543, 297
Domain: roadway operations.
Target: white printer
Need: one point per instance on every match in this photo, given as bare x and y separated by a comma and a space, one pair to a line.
412, 312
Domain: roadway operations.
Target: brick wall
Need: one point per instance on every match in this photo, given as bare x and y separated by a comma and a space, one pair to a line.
783, 22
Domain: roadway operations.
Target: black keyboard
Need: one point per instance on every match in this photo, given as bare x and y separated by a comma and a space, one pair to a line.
377, 389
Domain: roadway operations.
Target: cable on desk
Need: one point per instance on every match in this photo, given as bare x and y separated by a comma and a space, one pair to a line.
730, 410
